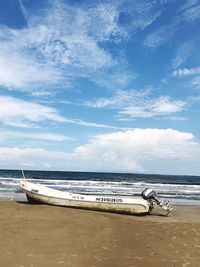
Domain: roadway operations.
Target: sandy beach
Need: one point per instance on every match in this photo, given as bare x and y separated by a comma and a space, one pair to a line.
42, 235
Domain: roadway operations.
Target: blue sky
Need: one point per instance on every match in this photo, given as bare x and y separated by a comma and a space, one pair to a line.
100, 85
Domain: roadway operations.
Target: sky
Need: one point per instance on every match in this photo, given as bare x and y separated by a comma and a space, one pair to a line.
102, 85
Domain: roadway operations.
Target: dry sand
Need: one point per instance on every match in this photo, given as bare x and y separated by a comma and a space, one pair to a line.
41, 235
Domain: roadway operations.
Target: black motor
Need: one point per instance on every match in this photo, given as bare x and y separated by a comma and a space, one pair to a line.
148, 194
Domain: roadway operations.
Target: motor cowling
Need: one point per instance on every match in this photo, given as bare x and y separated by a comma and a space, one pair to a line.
149, 194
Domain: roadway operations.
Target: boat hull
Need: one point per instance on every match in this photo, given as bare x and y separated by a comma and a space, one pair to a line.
120, 204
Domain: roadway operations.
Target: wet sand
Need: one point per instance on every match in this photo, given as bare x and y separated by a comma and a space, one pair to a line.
42, 235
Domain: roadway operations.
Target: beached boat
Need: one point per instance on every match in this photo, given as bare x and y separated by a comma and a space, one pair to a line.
37, 193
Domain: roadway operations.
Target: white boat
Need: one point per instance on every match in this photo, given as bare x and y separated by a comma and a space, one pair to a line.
37, 193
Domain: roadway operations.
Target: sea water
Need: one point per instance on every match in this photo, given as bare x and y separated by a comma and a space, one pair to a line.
183, 190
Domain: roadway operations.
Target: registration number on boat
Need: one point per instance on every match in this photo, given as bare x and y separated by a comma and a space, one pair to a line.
108, 199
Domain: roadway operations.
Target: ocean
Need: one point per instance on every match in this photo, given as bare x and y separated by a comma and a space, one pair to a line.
180, 190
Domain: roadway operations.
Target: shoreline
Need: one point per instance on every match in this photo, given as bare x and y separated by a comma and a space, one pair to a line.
44, 235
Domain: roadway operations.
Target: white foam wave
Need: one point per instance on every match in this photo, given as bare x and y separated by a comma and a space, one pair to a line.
181, 191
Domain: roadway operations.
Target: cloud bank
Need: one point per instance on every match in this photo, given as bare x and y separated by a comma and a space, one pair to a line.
137, 150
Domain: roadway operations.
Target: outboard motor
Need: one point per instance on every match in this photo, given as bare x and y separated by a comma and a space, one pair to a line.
151, 196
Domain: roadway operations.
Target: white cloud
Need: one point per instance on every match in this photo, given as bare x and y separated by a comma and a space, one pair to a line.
19, 68
182, 54
60, 43
139, 15
187, 13
186, 72
196, 82
161, 36
174, 118
35, 158
104, 21
91, 124
139, 150
63, 42
17, 112
192, 13
188, 4
138, 104
119, 99
20, 113
111, 81
162, 106
12, 135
